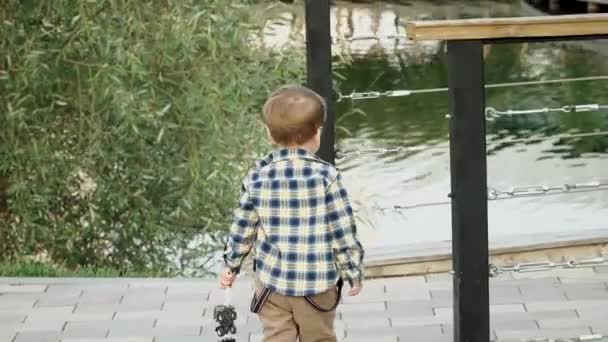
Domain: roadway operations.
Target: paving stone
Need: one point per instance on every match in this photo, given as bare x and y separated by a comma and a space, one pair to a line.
111, 339
446, 313
411, 293
17, 303
413, 333
130, 328
179, 330
439, 277
518, 324
137, 315
535, 293
402, 308
367, 339
193, 305
564, 323
561, 273
600, 326
544, 282
179, 339
590, 293
7, 336
37, 336
535, 315
44, 325
367, 323
7, 318
49, 314
417, 321
58, 299
415, 288
511, 292
79, 316
88, 299
22, 288
364, 307
84, 330
141, 305
51, 319
211, 336
448, 330
592, 312
565, 305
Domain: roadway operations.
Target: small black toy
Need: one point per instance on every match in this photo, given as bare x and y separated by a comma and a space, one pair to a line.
225, 316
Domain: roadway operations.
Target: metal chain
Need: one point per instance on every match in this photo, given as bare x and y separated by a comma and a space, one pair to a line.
371, 37
374, 95
492, 113
527, 267
538, 190
517, 192
582, 338
407, 92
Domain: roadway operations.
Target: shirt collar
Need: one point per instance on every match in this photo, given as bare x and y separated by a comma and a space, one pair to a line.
285, 154
292, 153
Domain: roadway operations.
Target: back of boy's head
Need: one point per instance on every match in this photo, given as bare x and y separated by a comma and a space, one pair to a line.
293, 115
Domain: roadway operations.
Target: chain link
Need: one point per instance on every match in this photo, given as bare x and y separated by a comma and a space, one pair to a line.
538, 190
517, 192
374, 95
406, 92
540, 266
371, 37
492, 113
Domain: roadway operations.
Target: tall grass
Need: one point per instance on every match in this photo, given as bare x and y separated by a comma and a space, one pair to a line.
126, 126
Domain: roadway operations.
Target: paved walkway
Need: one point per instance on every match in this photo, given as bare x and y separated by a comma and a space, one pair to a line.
556, 304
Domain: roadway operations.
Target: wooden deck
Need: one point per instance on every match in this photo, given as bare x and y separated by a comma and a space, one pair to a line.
436, 257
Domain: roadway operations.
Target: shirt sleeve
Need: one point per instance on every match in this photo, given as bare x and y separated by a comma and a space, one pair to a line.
242, 232
347, 248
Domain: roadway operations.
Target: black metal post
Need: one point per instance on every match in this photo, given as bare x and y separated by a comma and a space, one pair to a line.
318, 62
469, 191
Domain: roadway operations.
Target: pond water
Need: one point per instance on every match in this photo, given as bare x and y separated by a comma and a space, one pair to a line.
378, 182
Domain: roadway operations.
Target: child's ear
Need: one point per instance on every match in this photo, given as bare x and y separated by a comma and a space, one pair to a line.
269, 136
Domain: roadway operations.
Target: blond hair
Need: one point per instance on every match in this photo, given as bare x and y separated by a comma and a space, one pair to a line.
293, 114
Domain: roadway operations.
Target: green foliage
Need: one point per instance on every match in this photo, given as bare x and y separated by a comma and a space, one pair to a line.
125, 128
40, 269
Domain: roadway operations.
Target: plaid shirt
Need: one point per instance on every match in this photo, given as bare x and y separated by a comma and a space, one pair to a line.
294, 211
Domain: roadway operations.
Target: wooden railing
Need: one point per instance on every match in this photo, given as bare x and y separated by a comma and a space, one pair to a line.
505, 28
468, 166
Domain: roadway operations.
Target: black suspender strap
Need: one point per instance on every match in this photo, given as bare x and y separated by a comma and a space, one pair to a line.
310, 301
258, 301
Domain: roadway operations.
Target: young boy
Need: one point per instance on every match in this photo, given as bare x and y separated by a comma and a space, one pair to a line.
295, 214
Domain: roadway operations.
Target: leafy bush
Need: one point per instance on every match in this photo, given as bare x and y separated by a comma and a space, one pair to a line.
126, 126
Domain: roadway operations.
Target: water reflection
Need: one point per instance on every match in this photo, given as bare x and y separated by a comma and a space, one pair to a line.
406, 178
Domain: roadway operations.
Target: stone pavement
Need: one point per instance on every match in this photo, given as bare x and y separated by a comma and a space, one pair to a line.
554, 304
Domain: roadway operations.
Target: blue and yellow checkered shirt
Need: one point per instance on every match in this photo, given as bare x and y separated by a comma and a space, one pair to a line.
295, 212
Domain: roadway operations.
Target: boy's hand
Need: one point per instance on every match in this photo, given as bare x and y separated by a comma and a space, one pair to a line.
226, 279
355, 290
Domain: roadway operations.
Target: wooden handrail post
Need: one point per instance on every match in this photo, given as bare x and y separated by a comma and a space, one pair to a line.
469, 191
